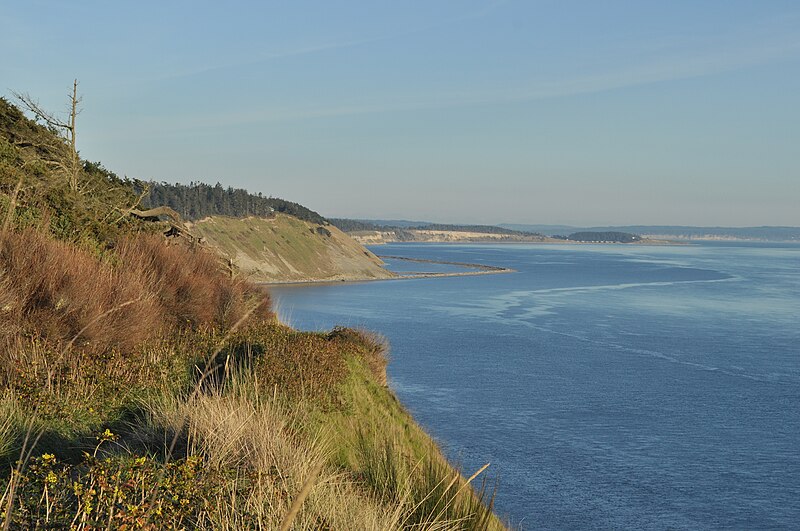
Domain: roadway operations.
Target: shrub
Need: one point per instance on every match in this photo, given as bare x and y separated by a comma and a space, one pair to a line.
56, 291
81, 337
123, 492
64, 294
371, 346
189, 283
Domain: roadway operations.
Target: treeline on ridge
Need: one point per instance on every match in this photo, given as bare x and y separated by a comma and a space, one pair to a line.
198, 200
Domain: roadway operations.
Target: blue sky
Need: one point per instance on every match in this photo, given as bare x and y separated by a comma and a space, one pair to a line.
585, 113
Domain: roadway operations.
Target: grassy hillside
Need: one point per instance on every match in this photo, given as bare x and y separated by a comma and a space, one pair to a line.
284, 248
144, 387
157, 391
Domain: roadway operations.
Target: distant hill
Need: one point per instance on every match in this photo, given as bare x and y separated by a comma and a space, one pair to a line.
604, 236
267, 238
404, 230
548, 230
354, 225
372, 232
283, 248
677, 232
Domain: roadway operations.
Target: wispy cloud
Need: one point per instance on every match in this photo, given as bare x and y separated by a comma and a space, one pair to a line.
271, 56
480, 12
672, 59
666, 68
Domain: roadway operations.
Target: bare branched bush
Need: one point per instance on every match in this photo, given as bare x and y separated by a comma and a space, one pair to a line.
189, 284
59, 292
65, 294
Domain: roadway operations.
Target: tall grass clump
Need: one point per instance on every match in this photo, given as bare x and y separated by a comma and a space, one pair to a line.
189, 284
12, 418
244, 465
146, 287
432, 493
58, 292
80, 335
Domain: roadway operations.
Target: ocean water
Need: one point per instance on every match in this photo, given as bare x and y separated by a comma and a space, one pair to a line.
609, 386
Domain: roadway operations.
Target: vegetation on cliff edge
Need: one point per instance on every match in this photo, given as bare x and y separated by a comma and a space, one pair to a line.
144, 387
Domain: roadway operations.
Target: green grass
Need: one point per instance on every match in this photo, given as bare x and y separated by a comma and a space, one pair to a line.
255, 237
280, 409
238, 453
395, 460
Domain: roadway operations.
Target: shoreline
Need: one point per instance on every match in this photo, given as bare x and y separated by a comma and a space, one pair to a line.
481, 269
653, 242
444, 262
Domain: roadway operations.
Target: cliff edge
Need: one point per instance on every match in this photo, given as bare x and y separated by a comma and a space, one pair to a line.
283, 248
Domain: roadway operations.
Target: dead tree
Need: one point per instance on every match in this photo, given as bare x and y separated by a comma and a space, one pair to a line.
12, 205
65, 128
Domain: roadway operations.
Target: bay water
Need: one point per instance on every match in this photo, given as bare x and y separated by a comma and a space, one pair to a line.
609, 386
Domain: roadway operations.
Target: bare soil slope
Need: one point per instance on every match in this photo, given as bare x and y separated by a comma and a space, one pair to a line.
286, 249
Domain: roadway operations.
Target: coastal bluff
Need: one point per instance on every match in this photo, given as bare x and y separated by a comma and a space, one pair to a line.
283, 248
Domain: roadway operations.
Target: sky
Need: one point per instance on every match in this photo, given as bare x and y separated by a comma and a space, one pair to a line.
471, 111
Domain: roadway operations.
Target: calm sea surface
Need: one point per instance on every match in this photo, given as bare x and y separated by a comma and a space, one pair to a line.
609, 386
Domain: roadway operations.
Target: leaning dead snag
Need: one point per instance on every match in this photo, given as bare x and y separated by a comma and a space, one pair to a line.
69, 164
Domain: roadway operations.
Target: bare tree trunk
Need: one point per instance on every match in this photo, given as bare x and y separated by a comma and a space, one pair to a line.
12, 205
67, 131
73, 182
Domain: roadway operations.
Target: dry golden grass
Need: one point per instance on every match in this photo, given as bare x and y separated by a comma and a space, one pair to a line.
222, 418
248, 430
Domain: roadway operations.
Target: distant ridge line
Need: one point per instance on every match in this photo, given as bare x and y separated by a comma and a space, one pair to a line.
689, 232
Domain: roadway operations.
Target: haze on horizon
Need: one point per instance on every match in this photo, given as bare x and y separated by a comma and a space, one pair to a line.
579, 113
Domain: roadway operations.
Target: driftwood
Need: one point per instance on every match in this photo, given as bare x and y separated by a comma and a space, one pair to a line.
176, 225
154, 214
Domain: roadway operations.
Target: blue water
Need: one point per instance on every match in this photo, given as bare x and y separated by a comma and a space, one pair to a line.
609, 386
